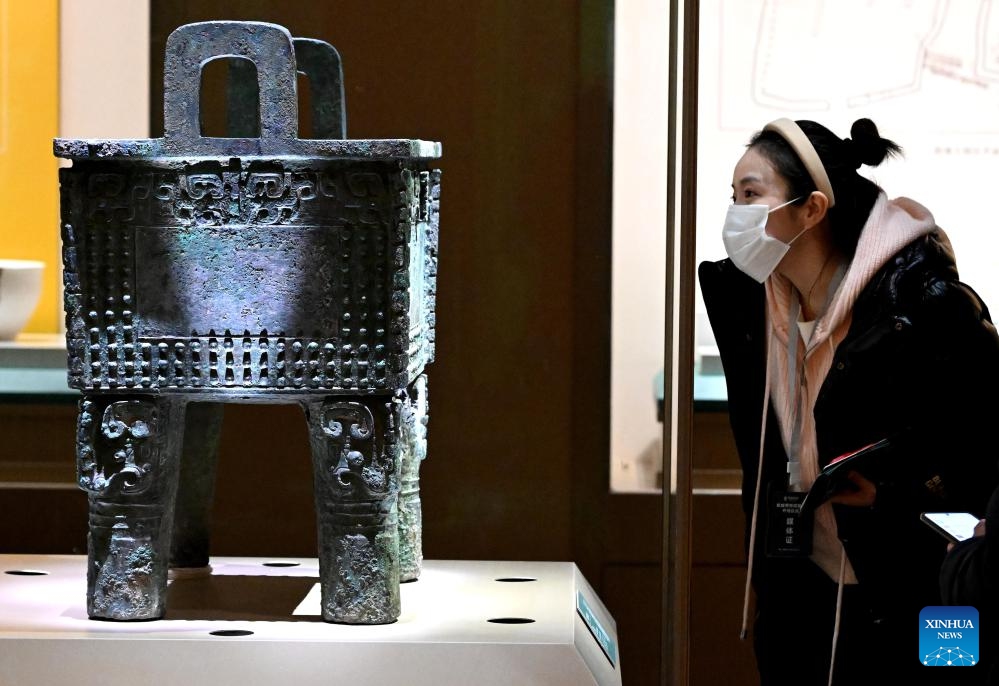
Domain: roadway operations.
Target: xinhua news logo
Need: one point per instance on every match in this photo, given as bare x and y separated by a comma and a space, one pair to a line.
948, 636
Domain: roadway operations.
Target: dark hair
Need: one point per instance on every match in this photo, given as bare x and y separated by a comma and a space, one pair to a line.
855, 194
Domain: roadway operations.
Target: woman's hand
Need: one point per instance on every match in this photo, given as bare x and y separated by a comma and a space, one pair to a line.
979, 533
862, 494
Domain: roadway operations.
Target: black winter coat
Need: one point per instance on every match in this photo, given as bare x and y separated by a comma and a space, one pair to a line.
920, 363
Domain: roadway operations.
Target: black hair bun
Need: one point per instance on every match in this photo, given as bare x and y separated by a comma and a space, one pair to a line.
866, 146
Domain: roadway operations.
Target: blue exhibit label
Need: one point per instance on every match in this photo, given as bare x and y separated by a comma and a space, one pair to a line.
603, 639
948, 636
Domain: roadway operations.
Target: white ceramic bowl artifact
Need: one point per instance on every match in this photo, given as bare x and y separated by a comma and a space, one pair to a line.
20, 289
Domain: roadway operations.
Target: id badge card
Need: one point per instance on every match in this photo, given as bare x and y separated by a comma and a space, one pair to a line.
789, 531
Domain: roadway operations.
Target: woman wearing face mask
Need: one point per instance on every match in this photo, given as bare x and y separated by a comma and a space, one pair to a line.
841, 321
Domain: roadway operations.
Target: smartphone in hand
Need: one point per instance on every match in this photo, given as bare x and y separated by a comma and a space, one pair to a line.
954, 526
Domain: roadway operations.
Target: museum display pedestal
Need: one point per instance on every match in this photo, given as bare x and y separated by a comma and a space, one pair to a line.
257, 621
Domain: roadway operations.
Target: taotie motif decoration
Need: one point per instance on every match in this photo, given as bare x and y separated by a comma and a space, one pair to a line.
265, 268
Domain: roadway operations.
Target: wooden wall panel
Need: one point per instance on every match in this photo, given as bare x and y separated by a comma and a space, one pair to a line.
717, 655
632, 590
495, 82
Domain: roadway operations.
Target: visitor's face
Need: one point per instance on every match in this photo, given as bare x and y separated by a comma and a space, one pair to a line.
756, 182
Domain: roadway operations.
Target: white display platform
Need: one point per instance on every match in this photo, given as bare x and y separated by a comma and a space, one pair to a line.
443, 636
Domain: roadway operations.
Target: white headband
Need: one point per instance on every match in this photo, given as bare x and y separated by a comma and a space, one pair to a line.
797, 139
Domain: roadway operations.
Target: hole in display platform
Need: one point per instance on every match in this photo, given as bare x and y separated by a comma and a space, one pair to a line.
511, 620
281, 563
26, 572
231, 632
515, 579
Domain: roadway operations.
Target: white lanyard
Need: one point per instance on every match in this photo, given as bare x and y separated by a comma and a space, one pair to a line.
794, 384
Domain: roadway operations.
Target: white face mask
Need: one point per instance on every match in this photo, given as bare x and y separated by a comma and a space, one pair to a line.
747, 242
